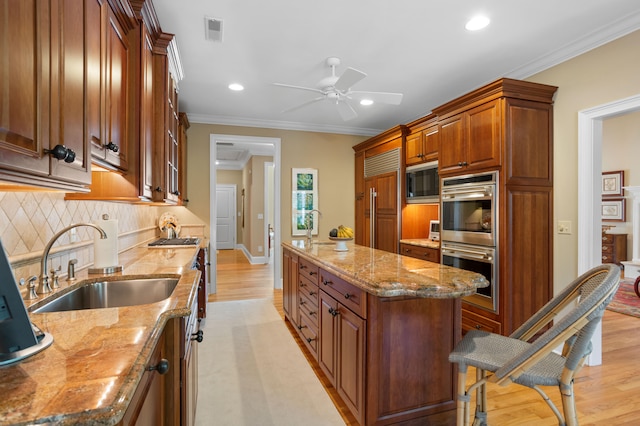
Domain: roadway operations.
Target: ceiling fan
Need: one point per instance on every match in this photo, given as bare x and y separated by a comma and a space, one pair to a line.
338, 89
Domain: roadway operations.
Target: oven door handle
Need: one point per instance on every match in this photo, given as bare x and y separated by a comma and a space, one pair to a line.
472, 254
476, 193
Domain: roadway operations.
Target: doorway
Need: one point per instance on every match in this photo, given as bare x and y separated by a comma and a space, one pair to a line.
214, 139
589, 197
226, 216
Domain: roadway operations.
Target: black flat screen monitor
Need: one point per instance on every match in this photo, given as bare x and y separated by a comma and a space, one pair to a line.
18, 337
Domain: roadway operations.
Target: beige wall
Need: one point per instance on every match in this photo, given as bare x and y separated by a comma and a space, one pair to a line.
598, 77
331, 154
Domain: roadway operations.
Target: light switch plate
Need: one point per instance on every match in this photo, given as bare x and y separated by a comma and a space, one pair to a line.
564, 227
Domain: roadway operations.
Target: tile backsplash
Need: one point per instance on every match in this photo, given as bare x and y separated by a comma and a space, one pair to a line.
28, 220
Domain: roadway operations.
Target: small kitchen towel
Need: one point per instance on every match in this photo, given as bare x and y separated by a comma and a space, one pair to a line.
106, 250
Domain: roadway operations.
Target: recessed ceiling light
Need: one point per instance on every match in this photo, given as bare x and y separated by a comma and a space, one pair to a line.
236, 87
477, 23
366, 102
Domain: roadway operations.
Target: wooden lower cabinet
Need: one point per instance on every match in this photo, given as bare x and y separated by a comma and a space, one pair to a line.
420, 252
388, 358
168, 390
201, 264
341, 356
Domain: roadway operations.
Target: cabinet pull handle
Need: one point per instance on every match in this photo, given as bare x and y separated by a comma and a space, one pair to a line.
162, 367
312, 273
309, 339
158, 189
348, 296
112, 147
302, 284
197, 336
300, 327
333, 312
60, 152
311, 293
478, 326
327, 282
302, 302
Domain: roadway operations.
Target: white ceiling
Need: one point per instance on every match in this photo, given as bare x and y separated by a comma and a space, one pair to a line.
416, 47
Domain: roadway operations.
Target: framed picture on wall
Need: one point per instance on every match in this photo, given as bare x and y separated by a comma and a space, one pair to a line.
304, 199
613, 209
612, 183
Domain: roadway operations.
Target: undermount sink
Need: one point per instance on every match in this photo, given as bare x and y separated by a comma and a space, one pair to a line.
112, 294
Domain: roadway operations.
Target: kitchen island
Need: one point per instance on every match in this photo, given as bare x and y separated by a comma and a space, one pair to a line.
380, 326
97, 367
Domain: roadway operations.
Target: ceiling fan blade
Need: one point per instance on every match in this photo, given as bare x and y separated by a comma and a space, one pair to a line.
311, 89
380, 97
346, 111
319, 98
348, 78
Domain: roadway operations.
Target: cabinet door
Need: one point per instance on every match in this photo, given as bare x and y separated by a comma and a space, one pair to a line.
350, 360
42, 85
328, 330
146, 116
96, 18
413, 149
484, 136
171, 139
290, 286
452, 144
361, 197
117, 63
430, 143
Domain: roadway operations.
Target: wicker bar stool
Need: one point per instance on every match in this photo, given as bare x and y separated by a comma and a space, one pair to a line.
517, 359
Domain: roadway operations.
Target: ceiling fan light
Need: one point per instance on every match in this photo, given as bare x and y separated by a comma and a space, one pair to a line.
477, 23
366, 102
236, 87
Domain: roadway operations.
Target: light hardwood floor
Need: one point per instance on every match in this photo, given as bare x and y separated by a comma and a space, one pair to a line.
605, 395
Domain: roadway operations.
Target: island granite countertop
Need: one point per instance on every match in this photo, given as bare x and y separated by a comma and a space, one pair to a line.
91, 371
386, 274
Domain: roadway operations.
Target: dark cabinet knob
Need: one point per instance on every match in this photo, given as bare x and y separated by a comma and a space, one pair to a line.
158, 189
312, 273
327, 282
348, 296
60, 152
112, 147
333, 312
197, 336
162, 367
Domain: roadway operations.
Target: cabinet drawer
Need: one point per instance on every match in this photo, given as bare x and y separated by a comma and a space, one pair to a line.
473, 321
349, 295
607, 239
308, 270
309, 308
607, 248
308, 288
419, 252
309, 334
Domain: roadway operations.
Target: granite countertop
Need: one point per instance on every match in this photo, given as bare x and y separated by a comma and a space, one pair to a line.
422, 242
91, 371
386, 274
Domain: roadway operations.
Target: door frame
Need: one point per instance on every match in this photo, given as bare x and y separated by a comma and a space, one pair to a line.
589, 195
235, 209
276, 142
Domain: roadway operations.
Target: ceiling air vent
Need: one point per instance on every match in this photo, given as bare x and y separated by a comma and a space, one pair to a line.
213, 29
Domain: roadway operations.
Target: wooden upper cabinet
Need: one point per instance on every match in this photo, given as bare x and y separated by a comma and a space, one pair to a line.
422, 142
183, 126
471, 140
146, 115
43, 94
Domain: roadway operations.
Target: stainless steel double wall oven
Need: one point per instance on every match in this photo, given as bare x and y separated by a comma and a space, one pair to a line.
468, 228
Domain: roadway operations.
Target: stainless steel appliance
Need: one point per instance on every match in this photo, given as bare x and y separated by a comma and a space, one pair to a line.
469, 209
480, 259
468, 230
422, 183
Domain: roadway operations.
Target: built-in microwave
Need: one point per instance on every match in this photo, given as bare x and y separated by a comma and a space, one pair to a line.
422, 183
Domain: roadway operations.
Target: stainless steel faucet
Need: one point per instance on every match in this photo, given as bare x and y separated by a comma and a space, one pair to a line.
44, 279
307, 223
